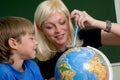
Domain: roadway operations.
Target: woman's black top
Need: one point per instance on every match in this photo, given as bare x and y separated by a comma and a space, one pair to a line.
90, 37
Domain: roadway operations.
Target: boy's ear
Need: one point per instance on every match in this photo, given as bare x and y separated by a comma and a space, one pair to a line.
12, 43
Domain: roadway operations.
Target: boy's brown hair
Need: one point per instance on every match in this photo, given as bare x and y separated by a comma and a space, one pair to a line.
12, 27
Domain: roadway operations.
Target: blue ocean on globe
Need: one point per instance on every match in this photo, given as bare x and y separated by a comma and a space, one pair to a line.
82, 64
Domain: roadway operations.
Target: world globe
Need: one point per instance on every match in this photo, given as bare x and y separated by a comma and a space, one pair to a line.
83, 63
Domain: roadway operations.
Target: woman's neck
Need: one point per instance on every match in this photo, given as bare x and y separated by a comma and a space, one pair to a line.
62, 48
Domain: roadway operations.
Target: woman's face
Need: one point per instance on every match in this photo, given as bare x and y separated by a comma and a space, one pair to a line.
56, 30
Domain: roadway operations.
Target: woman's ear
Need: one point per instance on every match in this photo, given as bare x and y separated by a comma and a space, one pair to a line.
12, 43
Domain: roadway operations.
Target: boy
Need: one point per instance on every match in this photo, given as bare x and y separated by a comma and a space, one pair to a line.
17, 47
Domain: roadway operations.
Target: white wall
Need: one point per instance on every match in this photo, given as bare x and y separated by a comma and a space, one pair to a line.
116, 71
117, 8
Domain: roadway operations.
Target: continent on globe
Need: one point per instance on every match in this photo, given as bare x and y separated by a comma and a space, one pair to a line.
65, 71
97, 68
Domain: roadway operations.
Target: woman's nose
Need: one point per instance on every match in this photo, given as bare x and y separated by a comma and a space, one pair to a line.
58, 29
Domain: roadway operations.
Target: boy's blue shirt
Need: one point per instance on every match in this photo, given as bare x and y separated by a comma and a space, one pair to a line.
31, 72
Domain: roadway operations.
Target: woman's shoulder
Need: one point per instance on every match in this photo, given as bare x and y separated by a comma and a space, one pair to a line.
91, 37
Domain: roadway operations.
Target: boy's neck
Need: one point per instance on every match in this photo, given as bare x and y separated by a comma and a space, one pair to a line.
18, 65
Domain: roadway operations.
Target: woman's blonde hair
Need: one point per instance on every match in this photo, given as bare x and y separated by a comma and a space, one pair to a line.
43, 11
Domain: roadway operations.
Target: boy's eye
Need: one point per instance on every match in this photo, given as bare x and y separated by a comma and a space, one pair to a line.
32, 37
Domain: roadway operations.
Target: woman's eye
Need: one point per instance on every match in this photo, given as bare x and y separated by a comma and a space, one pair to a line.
63, 22
48, 27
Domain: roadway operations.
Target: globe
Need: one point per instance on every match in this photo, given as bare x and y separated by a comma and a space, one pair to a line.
83, 63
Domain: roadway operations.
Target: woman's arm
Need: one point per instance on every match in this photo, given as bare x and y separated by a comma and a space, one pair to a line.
107, 38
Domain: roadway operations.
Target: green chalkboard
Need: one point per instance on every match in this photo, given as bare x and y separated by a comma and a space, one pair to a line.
99, 9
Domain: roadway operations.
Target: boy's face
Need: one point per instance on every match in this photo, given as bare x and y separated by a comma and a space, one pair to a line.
26, 49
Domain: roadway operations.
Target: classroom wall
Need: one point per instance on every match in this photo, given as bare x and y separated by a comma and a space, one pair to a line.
99, 9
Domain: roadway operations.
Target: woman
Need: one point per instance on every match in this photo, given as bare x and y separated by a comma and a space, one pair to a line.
55, 33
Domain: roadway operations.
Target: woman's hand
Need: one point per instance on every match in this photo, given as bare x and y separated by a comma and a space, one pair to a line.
82, 18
